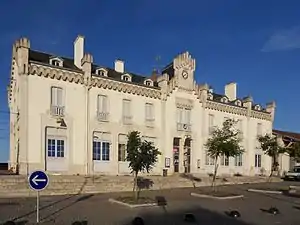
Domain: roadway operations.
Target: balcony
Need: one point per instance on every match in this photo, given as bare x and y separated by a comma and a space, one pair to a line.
184, 127
127, 120
149, 122
57, 111
102, 116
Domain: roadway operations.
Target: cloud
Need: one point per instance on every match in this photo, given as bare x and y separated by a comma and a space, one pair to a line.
283, 40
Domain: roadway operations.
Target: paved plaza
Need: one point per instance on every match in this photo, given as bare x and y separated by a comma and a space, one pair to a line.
95, 209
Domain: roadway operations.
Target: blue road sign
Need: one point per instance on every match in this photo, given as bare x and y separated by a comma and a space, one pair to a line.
38, 180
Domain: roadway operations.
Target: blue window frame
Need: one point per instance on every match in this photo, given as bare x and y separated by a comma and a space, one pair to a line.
56, 148
101, 150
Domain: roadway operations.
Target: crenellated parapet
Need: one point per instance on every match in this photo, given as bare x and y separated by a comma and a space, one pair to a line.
184, 60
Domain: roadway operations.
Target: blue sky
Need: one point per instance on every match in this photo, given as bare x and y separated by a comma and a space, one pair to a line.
252, 42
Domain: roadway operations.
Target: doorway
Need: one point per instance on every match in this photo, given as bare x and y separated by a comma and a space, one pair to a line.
176, 147
187, 155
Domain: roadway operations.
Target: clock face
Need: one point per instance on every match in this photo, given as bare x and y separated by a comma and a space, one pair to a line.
185, 74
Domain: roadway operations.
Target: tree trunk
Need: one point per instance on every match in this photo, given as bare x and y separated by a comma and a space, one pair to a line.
135, 186
273, 167
215, 174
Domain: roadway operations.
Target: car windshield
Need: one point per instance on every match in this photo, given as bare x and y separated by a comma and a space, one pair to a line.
296, 170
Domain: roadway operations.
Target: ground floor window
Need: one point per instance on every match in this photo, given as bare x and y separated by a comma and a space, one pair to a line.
209, 161
239, 160
122, 152
224, 160
257, 160
101, 150
56, 147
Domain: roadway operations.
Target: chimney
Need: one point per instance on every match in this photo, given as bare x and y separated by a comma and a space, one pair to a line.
230, 91
119, 66
78, 50
271, 106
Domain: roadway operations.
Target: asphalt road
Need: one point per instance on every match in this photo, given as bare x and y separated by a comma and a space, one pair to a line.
96, 210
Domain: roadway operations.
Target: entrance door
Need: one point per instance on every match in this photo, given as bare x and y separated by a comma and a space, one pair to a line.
187, 155
176, 144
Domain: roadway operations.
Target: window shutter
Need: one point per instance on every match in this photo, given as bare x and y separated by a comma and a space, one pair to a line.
53, 96
59, 96
104, 104
99, 104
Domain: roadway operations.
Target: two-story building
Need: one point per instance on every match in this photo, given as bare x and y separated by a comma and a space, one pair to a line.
71, 116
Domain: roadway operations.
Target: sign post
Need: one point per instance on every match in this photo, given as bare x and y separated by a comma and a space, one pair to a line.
38, 181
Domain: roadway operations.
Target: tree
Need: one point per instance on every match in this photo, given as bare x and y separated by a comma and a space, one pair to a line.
294, 151
224, 141
141, 155
271, 147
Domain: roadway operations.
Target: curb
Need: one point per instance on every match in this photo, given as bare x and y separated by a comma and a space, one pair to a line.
295, 187
264, 191
130, 205
214, 197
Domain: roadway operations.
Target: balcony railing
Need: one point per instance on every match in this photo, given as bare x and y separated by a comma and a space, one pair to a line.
150, 122
102, 116
184, 127
57, 110
127, 120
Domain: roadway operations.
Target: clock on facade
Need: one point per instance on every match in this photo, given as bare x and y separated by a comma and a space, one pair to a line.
185, 74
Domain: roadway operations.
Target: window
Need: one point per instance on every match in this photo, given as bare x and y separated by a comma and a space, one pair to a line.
258, 160
149, 110
101, 72
209, 161
122, 141
224, 160
55, 63
101, 150
102, 104
257, 107
126, 78
238, 103
211, 119
56, 148
56, 96
259, 129
240, 128
224, 100
127, 111
238, 160
210, 96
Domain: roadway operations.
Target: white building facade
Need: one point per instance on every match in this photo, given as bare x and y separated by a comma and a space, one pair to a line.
71, 116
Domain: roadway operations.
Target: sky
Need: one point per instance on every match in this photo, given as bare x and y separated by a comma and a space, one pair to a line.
254, 43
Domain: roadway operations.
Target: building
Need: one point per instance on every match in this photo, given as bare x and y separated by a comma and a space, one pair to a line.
286, 139
71, 116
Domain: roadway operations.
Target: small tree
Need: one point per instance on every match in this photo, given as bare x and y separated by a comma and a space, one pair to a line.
141, 155
224, 141
271, 147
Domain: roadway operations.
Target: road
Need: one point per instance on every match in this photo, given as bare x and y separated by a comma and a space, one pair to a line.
95, 209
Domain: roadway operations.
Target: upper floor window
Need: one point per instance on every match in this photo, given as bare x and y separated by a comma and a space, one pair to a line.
210, 96
211, 120
57, 105
101, 72
56, 96
184, 115
257, 107
224, 100
126, 77
56, 61
149, 111
102, 108
148, 82
259, 129
238, 103
224, 160
127, 117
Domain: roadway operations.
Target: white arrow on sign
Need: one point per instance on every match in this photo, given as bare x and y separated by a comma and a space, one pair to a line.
35, 180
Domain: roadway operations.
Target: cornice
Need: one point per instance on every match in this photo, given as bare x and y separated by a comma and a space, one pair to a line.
125, 87
55, 73
236, 110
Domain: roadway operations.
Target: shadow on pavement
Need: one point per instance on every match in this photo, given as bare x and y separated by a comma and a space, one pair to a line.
188, 216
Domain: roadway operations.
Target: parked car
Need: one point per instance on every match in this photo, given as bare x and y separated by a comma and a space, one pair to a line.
293, 174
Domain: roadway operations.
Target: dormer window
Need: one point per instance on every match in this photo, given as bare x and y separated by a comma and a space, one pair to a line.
210, 96
238, 103
224, 100
257, 107
55, 61
148, 82
101, 72
126, 77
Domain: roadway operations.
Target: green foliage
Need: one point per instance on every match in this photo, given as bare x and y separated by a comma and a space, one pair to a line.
224, 141
294, 151
141, 155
